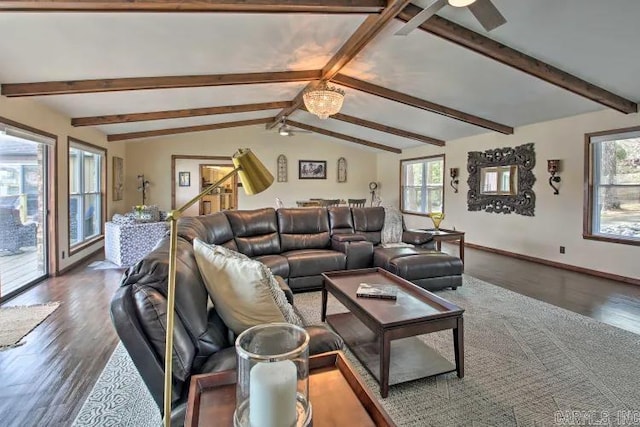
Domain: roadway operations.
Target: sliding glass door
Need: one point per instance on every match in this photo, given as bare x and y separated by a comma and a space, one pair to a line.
24, 189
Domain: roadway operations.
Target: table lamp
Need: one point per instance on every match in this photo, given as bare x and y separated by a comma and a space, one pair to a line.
255, 179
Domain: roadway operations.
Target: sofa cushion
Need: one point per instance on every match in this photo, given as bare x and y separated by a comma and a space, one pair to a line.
213, 229
311, 262
369, 222
243, 291
278, 264
382, 256
340, 220
306, 228
256, 231
151, 308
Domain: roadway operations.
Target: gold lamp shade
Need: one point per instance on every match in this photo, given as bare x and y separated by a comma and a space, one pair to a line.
253, 174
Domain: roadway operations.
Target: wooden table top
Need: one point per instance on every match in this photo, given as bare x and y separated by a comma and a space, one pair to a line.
413, 304
337, 394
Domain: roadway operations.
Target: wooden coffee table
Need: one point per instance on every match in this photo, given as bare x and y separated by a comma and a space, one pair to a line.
377, 330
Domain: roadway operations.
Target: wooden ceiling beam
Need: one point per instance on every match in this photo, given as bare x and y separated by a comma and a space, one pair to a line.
485, 46
366, 32
343, 137
176, 114
236, 6
188, 129
141, 83
387, 129
420, 103
383, 128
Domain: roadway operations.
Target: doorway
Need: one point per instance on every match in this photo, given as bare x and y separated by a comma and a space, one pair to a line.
220, 199
186, 180
25, 163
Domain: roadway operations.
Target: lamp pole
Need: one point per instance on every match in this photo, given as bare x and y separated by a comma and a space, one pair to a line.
173, 217
255, 178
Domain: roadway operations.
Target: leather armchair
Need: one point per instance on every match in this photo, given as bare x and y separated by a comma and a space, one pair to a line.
202, 342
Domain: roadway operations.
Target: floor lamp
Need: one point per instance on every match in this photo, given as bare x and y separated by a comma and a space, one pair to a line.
255, 178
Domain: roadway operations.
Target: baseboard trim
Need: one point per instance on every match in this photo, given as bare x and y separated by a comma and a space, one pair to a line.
77, 263
569, 267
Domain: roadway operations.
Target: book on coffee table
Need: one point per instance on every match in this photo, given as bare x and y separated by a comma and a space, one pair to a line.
366, 290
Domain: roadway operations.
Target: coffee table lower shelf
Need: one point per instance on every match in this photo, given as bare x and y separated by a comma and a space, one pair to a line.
411, 359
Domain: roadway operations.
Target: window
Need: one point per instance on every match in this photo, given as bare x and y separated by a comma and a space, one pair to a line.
612, 205
421, 185
86, 192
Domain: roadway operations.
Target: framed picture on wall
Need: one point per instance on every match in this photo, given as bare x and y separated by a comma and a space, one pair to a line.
312, 169
184, 179
118, 178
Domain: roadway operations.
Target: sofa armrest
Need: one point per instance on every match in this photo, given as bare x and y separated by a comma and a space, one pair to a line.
348, 238
322, 340
285, 287
416, 237
359, 253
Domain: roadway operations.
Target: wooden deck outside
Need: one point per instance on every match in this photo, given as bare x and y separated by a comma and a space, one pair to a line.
19, 269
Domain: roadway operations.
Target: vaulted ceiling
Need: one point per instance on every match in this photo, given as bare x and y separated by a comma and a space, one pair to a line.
153, 68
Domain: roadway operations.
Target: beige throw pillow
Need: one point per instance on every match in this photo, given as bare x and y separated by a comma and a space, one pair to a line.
241, 288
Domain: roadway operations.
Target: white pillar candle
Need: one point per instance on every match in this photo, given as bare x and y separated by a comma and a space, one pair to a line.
272, 394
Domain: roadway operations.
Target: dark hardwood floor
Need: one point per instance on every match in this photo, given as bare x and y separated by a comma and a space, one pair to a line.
45, 381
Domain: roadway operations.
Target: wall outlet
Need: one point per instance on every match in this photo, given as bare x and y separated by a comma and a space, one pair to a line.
561, 249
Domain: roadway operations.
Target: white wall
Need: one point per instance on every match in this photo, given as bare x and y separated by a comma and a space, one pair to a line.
557, 220
153, 158
33, 114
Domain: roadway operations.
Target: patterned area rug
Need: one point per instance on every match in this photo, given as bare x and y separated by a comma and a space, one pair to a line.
16, 322
119, 397
527, 363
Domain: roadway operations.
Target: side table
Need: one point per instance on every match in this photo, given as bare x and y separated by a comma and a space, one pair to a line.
443, 235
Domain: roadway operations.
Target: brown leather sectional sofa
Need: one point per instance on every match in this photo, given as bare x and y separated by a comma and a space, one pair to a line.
297, 244
301, 244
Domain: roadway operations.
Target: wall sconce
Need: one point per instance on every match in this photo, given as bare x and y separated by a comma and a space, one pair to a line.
454, 179
553, 167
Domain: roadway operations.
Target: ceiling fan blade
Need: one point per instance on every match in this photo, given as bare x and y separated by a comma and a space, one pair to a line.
487, 14
417, 20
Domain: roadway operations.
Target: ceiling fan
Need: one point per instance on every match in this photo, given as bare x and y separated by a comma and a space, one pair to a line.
285, 130
484, 11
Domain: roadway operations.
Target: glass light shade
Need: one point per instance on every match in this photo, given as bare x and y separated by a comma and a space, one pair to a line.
255, 177
323, 100
461, 3
273, 377
436, 218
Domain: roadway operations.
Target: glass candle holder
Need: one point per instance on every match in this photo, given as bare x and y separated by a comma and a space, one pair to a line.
273, 377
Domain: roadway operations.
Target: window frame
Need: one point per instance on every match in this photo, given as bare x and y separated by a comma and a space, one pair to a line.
587, 229
401, 185
103, 152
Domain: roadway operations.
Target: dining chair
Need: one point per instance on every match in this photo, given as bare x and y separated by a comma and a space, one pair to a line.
357, 203
330, 202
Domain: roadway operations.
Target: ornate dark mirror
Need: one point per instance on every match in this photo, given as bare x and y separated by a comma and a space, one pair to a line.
501, 180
